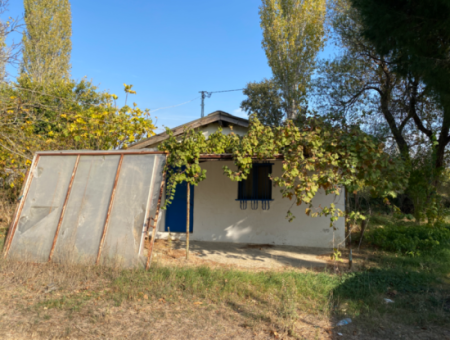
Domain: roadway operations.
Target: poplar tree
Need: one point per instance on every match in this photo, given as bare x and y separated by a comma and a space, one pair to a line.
293, 34
47, 41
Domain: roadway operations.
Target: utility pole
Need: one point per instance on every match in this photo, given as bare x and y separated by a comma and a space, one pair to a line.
205, 94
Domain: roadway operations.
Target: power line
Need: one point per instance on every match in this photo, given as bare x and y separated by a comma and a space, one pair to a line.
206, 94
169, 107
227, 91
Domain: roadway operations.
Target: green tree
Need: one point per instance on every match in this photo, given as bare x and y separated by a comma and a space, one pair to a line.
47, 41
364, 87
9, 48
293, 34
264, 100
416, 34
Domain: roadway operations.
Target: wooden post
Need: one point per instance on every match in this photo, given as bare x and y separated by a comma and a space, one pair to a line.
187, 222
349, 228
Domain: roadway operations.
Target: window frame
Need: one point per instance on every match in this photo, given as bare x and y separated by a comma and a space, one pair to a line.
255, 184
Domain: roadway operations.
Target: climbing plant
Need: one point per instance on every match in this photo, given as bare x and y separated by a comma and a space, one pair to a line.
314, 157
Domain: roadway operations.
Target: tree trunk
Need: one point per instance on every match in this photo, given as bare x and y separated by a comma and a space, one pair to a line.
291, 110
363, 228
399, 139
443, 139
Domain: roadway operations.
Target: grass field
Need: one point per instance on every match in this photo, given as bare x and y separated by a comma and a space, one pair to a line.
209, 302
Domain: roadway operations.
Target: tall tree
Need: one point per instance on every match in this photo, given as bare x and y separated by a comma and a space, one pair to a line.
264, 100
416, 34
47, 42
9, 48
293, 34
362, 86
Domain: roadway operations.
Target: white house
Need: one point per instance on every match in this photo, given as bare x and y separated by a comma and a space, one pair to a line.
250, 211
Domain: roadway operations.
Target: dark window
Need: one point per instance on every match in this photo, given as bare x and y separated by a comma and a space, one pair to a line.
258, 185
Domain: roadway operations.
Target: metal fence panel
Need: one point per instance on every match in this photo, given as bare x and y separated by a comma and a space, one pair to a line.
108, 196
135, 200
85, 215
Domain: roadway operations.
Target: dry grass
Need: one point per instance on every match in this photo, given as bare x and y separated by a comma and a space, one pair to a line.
203, 300
180, 300
54, 301
6, 213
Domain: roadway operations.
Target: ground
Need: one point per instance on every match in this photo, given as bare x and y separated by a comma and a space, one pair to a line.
231, 291
250, 256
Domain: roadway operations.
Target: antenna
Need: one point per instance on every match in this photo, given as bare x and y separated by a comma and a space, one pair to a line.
206, 94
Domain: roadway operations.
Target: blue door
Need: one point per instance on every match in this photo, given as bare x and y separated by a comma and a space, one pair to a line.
177, 210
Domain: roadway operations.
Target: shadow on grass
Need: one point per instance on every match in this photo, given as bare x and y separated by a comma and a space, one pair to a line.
416, 290
361, 285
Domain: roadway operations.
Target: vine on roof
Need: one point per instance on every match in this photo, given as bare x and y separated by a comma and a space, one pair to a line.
315, 157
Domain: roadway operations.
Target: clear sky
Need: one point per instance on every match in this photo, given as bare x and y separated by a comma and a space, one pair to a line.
169, 51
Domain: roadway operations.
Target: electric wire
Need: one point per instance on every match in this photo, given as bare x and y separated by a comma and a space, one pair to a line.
226, 91
169, 107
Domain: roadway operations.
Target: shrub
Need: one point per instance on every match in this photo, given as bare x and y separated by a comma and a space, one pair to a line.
410, 239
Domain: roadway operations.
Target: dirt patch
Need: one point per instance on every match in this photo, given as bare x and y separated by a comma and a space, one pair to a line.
249, 256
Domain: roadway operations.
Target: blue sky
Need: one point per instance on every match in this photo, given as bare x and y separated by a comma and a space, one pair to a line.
169, 51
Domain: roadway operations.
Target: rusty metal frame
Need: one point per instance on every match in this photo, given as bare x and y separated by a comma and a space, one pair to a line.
155, 222
108, 214
18, 212
229, 156
29, 177
100, 153
226, 156
63, 210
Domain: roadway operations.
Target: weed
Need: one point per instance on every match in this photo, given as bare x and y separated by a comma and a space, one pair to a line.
408, 237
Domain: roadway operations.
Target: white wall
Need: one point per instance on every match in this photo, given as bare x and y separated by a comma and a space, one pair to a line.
217, 216
211, 128
207, 131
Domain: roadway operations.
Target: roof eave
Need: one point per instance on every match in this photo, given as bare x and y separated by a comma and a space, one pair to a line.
233, 120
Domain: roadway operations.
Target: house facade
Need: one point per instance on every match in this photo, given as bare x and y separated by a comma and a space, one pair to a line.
250, 211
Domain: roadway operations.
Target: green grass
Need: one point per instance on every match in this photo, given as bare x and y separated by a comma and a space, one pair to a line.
419, 286
418, 283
